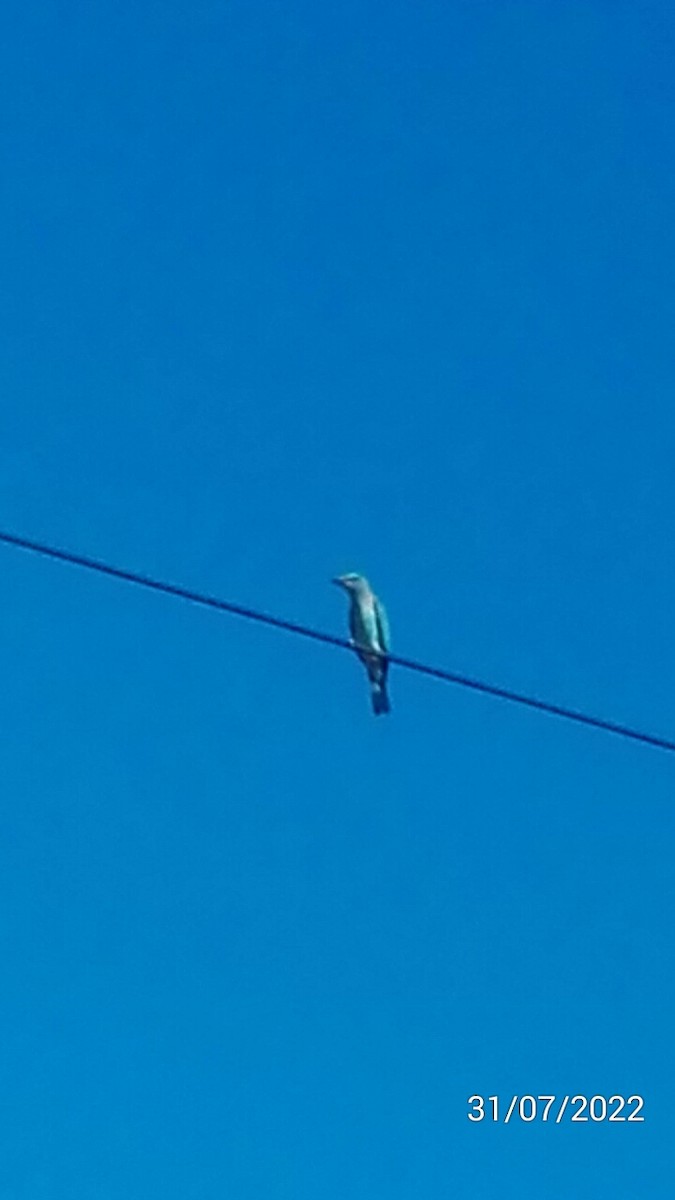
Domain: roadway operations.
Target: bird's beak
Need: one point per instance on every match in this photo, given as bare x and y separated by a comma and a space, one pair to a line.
339, 581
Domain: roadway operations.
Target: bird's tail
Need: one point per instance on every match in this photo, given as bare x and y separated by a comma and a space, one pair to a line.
380, 698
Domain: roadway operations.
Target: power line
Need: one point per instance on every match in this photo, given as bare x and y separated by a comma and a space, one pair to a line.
250, 614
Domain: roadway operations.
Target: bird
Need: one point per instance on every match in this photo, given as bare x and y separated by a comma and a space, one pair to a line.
369, 631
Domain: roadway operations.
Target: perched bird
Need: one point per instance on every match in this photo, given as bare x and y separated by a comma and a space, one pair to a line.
370, 632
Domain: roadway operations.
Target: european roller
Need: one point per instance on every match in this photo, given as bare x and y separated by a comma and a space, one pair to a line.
369, 630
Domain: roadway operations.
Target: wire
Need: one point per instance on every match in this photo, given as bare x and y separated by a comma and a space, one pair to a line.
250, 614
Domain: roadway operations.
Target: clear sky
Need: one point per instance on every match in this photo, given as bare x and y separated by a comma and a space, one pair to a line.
290, 289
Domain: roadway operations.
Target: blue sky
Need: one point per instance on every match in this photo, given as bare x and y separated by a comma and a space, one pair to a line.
287, 290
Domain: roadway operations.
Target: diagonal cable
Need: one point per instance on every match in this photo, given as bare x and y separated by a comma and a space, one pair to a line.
409, 664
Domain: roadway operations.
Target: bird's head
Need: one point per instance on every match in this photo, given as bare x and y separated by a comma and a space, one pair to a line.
351, 582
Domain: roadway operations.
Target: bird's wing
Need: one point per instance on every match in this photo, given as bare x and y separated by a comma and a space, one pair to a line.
382, 625
363, 625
